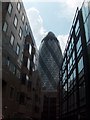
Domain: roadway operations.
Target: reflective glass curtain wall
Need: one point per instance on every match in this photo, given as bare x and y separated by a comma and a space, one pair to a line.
50, 57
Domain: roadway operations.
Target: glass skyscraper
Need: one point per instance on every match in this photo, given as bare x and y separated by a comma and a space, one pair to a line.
50, 57
74, 84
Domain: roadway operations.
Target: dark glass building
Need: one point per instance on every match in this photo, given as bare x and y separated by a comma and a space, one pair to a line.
48, 111
75, 69
50, 57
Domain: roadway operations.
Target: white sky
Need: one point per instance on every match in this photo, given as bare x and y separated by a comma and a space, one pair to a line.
51, 15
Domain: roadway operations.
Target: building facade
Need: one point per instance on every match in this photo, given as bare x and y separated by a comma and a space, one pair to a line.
36, 96
18, 61
75, 69
50, 57
48, 109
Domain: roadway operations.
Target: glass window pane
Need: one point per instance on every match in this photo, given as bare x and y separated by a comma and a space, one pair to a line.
12, 39
17, 49
15, 21
28, 64
77, 26
27, 78
20, 32
74, 73
10, 8
80, 65
78, 46
34, 59
23, 18
5, 27
87, 30
30, 49
86, 18
18, 6
65, 87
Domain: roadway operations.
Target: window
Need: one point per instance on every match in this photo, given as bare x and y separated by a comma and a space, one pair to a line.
72, 42
73, 56
17, 49
28, 63
74, 73
65, 87
12, 39
5, 26
26, 27
86, 25
27, 78
86, 16
20, 32
30, 49
80, 65
23, 18
85, 10
34, 59
79, 43
11, 92
78, 46
77, 28
18, 6
21, 57
15, 21
10, 8
12, 68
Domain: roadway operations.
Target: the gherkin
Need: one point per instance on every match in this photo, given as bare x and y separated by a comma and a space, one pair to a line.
50, 58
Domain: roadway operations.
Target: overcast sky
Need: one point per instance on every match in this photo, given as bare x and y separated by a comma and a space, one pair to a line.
51, 15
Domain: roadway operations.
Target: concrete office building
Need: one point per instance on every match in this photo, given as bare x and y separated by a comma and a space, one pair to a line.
50, 57
18, 61
75, 69
36, 96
